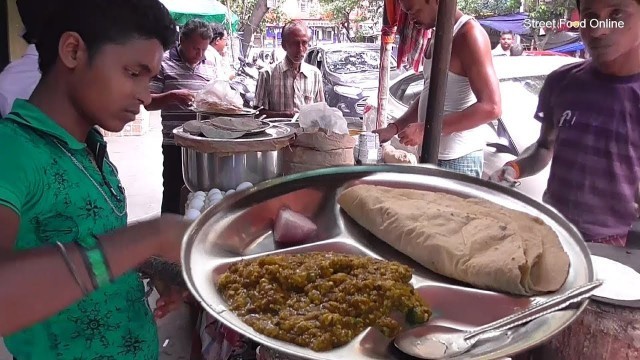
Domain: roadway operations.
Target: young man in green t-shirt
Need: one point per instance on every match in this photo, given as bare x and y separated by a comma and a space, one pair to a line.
66, 254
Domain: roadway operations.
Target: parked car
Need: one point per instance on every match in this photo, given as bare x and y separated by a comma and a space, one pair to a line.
265, 56
521, 78
350, 74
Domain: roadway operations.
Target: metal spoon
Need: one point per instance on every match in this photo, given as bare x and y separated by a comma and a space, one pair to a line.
439, 342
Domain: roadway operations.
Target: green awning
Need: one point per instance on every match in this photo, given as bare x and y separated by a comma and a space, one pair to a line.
211, 11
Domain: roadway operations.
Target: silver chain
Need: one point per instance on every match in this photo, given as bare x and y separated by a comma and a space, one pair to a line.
77, 163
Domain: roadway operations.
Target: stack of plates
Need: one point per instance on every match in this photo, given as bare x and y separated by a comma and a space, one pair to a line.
225, 127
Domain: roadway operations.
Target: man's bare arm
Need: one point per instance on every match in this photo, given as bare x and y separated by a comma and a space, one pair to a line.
537, 156
409, 117
38, 284
477, 63
159, 101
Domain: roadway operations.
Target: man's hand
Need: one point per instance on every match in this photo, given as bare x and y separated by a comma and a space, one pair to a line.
507, 176
386, 133
412, 135
182, 97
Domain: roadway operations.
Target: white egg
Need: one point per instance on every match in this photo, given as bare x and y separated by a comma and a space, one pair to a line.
214, 195
229, 192
192, 214
201, 193
215, 201
197, 204
217, 196
244, 186
214, 191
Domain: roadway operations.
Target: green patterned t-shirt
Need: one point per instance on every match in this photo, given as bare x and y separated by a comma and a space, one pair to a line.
52, 182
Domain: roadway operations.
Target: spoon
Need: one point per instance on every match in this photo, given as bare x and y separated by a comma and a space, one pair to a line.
439, 342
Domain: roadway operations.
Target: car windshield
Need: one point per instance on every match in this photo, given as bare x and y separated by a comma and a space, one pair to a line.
354, 61
532, 84
409, 89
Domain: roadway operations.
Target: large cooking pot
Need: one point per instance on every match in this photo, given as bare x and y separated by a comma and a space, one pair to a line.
225, 163
206, 171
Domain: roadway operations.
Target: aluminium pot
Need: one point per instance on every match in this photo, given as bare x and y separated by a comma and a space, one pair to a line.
205, 171
226, 163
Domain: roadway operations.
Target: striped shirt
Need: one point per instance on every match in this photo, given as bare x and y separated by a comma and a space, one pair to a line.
279, 88
595, 169
175, 74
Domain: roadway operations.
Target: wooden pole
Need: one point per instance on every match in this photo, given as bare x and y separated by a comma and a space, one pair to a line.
438, 81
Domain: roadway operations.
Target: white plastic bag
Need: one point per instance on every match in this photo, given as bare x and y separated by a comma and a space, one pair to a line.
321, 116
218, 92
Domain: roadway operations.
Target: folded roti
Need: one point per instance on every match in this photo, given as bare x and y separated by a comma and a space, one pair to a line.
470, 240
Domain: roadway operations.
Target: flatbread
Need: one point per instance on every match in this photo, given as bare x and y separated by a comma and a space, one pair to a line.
216, 133
471, 240
236, 124
193, 127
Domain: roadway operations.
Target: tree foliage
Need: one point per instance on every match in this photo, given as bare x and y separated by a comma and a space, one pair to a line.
487, 8
254, 16
550, 11
344, 13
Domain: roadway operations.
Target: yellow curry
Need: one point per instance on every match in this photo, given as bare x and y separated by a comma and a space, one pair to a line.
321, 300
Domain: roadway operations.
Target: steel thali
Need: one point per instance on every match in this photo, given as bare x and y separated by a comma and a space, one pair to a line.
240, 228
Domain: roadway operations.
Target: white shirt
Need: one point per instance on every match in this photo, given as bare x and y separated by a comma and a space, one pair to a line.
499, 51
222, 67
18, 79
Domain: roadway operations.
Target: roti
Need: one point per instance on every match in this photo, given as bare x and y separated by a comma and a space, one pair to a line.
216, 133
236, 124
471, 240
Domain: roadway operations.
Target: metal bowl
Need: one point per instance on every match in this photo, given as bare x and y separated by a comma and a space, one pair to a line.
240, 227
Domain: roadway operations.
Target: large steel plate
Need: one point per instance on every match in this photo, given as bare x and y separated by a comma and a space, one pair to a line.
240, 228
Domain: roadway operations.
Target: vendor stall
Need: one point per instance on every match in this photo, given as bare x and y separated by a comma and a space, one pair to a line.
342, 263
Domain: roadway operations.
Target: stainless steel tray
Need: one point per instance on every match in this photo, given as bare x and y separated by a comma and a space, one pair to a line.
239, 227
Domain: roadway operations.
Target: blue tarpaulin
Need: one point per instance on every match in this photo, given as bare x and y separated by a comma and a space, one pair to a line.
573, 47
512, 22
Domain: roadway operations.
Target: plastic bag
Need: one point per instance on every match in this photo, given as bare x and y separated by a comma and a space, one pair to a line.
218, 93
321, 116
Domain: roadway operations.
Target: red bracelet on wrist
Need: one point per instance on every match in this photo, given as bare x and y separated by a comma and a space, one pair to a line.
515, 167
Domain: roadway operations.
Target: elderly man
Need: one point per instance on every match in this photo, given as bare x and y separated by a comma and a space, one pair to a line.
291, 83
472, 96
184, 71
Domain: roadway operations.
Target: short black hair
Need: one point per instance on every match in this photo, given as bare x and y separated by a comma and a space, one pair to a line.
218, 32
196, 27
507, 32
101, 22
33, 14
293, 24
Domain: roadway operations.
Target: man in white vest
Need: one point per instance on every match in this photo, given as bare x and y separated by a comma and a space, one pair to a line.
472, 97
